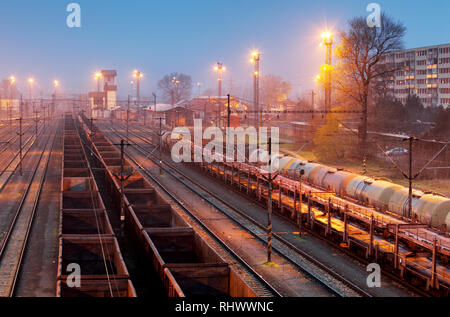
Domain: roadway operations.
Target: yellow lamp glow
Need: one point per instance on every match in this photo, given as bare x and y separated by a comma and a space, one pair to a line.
327, 37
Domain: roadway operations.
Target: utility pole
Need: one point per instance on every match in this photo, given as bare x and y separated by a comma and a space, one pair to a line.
270, 180
299, 214
313, 94
43, 109
269, 202
50, 110
160, 144
122, 191
122, 179
173, 108
128, 116
20, 145
155, 111
138, 75
328, 41
10, 116
21, 106
410, 176
92, 126
229, 110
36, 121
175, 83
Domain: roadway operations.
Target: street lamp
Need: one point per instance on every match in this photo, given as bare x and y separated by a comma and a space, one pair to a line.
138, 75
219, 68
98, 75
55, 84
255, 59
175, 83
199, 87
30, 90
30, 86
327, 39
12, 81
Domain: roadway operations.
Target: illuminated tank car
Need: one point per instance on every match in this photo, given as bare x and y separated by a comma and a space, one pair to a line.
285, 161
318, 174
398, 203
427, 208
305, 166
374, 192
379, 193
434, 210
337, 181
293, 166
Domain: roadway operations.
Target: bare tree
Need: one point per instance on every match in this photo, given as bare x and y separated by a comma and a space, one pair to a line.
360, 62
175, 87
274, 89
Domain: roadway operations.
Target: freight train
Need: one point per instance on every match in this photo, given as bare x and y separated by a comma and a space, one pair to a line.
427, 207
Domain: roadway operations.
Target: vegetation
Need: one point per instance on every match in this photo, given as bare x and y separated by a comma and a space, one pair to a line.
175, 87
325, 145
274, 89
358, 67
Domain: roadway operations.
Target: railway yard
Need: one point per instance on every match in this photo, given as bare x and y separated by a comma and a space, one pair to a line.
105, 202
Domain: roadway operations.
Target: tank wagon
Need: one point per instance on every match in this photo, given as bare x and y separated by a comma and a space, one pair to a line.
428, 208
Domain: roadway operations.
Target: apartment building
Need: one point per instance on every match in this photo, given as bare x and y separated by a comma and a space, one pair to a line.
423, 71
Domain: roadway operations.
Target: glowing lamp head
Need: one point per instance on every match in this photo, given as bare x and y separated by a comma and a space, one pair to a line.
255, 56
12, 80
318, 78
326, 68
327, 37
98, 75
55, 83
137, 74
30, 81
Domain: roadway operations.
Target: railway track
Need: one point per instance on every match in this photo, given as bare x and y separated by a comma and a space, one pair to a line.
260, 284
339, 285
13, 244
10, 140
8, 165
415, 290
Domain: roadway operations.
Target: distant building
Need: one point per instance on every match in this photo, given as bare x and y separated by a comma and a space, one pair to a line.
423, 71
9, 98
102, 102
209, 109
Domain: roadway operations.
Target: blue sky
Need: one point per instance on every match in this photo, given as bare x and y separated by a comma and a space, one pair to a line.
189, 36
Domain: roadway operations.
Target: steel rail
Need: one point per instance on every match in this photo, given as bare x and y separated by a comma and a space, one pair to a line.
335, 275
250, 270
13, 223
